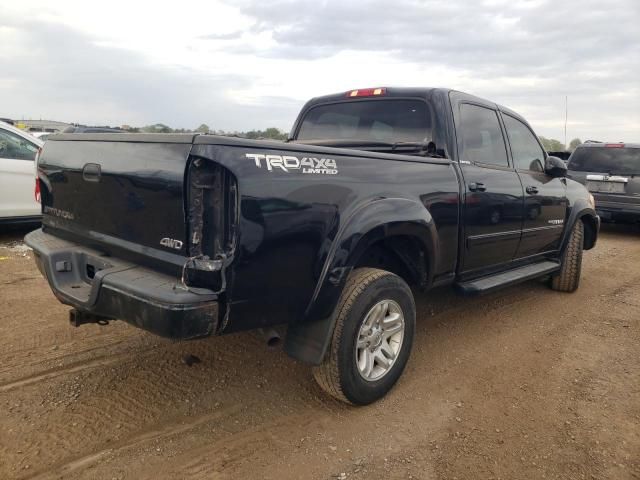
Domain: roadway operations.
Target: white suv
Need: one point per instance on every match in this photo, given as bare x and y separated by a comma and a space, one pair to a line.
18, 151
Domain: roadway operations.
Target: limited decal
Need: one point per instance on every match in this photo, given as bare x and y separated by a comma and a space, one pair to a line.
556, 222
57, 212
289, 163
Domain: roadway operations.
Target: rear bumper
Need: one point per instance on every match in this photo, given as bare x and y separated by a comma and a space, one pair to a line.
109, 287
30, 220
628, 212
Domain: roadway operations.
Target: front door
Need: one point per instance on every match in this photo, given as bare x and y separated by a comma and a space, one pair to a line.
493, 198
545, 207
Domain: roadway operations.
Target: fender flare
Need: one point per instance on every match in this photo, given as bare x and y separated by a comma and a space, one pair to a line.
309, 339
581, 208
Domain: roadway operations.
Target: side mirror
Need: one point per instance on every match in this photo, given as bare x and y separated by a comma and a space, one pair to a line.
554, 167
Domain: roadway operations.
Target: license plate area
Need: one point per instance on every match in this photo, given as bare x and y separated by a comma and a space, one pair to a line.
605, 186
606, 183
74, 273
77, 274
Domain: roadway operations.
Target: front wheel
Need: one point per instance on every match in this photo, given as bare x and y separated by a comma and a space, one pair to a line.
372, 339
568, 279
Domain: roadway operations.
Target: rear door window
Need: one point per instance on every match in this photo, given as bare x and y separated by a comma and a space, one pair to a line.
482, 137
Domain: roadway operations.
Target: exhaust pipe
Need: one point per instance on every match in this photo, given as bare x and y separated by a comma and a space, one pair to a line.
270, 336
77, 318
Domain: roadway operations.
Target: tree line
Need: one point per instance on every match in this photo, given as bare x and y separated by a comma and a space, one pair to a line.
553, 145
272, 133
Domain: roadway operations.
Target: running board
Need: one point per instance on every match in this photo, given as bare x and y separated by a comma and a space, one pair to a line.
510, 277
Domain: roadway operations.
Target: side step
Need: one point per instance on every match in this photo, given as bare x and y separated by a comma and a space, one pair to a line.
510, 277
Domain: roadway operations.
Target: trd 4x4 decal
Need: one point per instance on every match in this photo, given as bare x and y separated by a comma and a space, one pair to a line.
288, 163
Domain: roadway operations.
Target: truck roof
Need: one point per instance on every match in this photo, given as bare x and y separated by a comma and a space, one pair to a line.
421, 92
388, 92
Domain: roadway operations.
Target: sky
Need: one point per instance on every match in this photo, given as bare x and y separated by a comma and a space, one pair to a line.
246, 64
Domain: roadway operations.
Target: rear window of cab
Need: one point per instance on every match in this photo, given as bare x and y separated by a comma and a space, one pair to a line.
388, 120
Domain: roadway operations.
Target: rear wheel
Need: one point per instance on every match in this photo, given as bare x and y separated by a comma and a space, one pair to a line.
372, 338
568, 279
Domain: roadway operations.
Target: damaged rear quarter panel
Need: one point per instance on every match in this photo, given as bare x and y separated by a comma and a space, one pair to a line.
294, 202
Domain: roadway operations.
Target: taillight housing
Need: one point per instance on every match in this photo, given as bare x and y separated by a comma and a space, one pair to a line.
36, 192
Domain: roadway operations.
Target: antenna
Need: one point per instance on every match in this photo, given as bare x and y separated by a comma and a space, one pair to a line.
566, 115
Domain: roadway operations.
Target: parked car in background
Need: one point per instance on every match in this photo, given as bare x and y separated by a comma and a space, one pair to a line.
42, 136
611, 172
85, 129
18, 151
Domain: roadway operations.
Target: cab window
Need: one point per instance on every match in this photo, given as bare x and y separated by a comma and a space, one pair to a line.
525, 149
482, 136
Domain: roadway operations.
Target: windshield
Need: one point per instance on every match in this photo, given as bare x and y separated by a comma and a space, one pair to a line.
605, 160
386, 120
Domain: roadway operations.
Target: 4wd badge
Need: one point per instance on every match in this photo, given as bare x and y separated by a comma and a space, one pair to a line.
171, 243
287, 163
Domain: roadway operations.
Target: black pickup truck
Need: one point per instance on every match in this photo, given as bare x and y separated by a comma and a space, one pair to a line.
377, 191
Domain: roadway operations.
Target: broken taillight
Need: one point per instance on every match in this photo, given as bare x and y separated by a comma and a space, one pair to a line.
36, 193
37, 190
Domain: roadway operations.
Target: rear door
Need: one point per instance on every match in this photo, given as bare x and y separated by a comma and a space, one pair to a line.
545, 200
17, 176
493, 198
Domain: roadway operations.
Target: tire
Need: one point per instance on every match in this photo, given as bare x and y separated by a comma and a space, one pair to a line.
569, 277
369, 294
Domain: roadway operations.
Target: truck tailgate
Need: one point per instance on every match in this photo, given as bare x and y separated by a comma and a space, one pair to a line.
120, 189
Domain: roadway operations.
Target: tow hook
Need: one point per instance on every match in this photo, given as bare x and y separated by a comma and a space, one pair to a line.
77, 318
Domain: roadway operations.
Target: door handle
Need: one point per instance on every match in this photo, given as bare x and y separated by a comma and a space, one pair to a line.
531, 189
91, 172
477, 187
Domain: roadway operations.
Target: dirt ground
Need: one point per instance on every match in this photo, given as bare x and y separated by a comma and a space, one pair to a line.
525, 383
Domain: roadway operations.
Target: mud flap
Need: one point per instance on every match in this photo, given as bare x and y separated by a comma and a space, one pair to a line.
308, 342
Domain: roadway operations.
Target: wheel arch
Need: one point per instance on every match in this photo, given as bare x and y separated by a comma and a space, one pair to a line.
584, 212
591, 227
388, 223
405, 252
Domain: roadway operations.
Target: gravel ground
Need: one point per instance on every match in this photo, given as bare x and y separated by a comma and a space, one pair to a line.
525, 383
